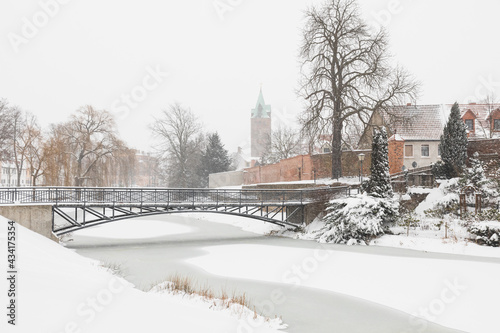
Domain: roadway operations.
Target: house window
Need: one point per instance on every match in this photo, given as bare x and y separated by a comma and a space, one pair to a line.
439, 149
424, 150
327, 150
408, 150
469, 123
496, 124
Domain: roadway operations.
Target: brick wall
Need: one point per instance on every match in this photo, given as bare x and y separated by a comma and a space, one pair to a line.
292, 169
489, 153
483, 147
322, 164
350, 163
304, 167
396, 154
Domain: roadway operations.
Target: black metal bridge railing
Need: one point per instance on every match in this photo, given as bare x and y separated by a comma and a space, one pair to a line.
81, 207
102, 195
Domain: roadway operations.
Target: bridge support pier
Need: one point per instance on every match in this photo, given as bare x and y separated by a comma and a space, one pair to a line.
307, 213
36, 218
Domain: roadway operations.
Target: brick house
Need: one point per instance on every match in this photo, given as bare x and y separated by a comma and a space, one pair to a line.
415, 130
482, 120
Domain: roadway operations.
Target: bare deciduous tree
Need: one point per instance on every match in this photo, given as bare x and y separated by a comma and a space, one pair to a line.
346, 72
491, 103
35, 156
281, 144
179, 132
27, 145
118, 169
57, 161
18, 146
90, 136
285, 143
6, 129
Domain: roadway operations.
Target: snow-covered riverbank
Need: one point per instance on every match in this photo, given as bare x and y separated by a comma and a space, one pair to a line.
314, 287
61, 291
384, 286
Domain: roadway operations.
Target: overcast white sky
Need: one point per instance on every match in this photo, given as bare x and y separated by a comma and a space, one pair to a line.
94, 52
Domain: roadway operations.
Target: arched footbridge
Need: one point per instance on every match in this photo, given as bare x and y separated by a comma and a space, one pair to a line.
75, 208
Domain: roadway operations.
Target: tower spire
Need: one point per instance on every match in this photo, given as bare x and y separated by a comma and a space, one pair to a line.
260, 126
261, 109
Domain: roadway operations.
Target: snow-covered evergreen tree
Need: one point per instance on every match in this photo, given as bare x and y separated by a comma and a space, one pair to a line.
214, 159
357, 220
454, 144
475, 174
476, 177
379, 184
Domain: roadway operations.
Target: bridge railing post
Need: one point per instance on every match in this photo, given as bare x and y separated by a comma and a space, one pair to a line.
142, 197
114, 200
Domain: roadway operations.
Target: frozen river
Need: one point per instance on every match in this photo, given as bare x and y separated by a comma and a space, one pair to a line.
281, 276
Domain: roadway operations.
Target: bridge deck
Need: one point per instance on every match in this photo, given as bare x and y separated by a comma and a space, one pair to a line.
80, 207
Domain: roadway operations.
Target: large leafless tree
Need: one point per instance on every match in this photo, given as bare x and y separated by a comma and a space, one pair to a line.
347, 73
57, 160
180, 134
27, 142
90, 137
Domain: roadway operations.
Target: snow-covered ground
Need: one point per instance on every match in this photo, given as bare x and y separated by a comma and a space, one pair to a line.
392, 289
61, 291
438, 289
420, 240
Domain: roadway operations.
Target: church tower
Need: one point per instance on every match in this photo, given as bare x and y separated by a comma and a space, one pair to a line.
260, 127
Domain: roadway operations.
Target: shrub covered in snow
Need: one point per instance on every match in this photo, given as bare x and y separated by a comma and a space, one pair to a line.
441, 201
491, 214
476, 177
487, 233
440, 170
357, 220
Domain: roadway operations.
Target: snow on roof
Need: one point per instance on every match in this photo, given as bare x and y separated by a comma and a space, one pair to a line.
426, 122
415, 122
482, 113
396, 137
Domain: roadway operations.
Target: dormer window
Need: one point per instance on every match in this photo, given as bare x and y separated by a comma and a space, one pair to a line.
469, 123
496, 124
